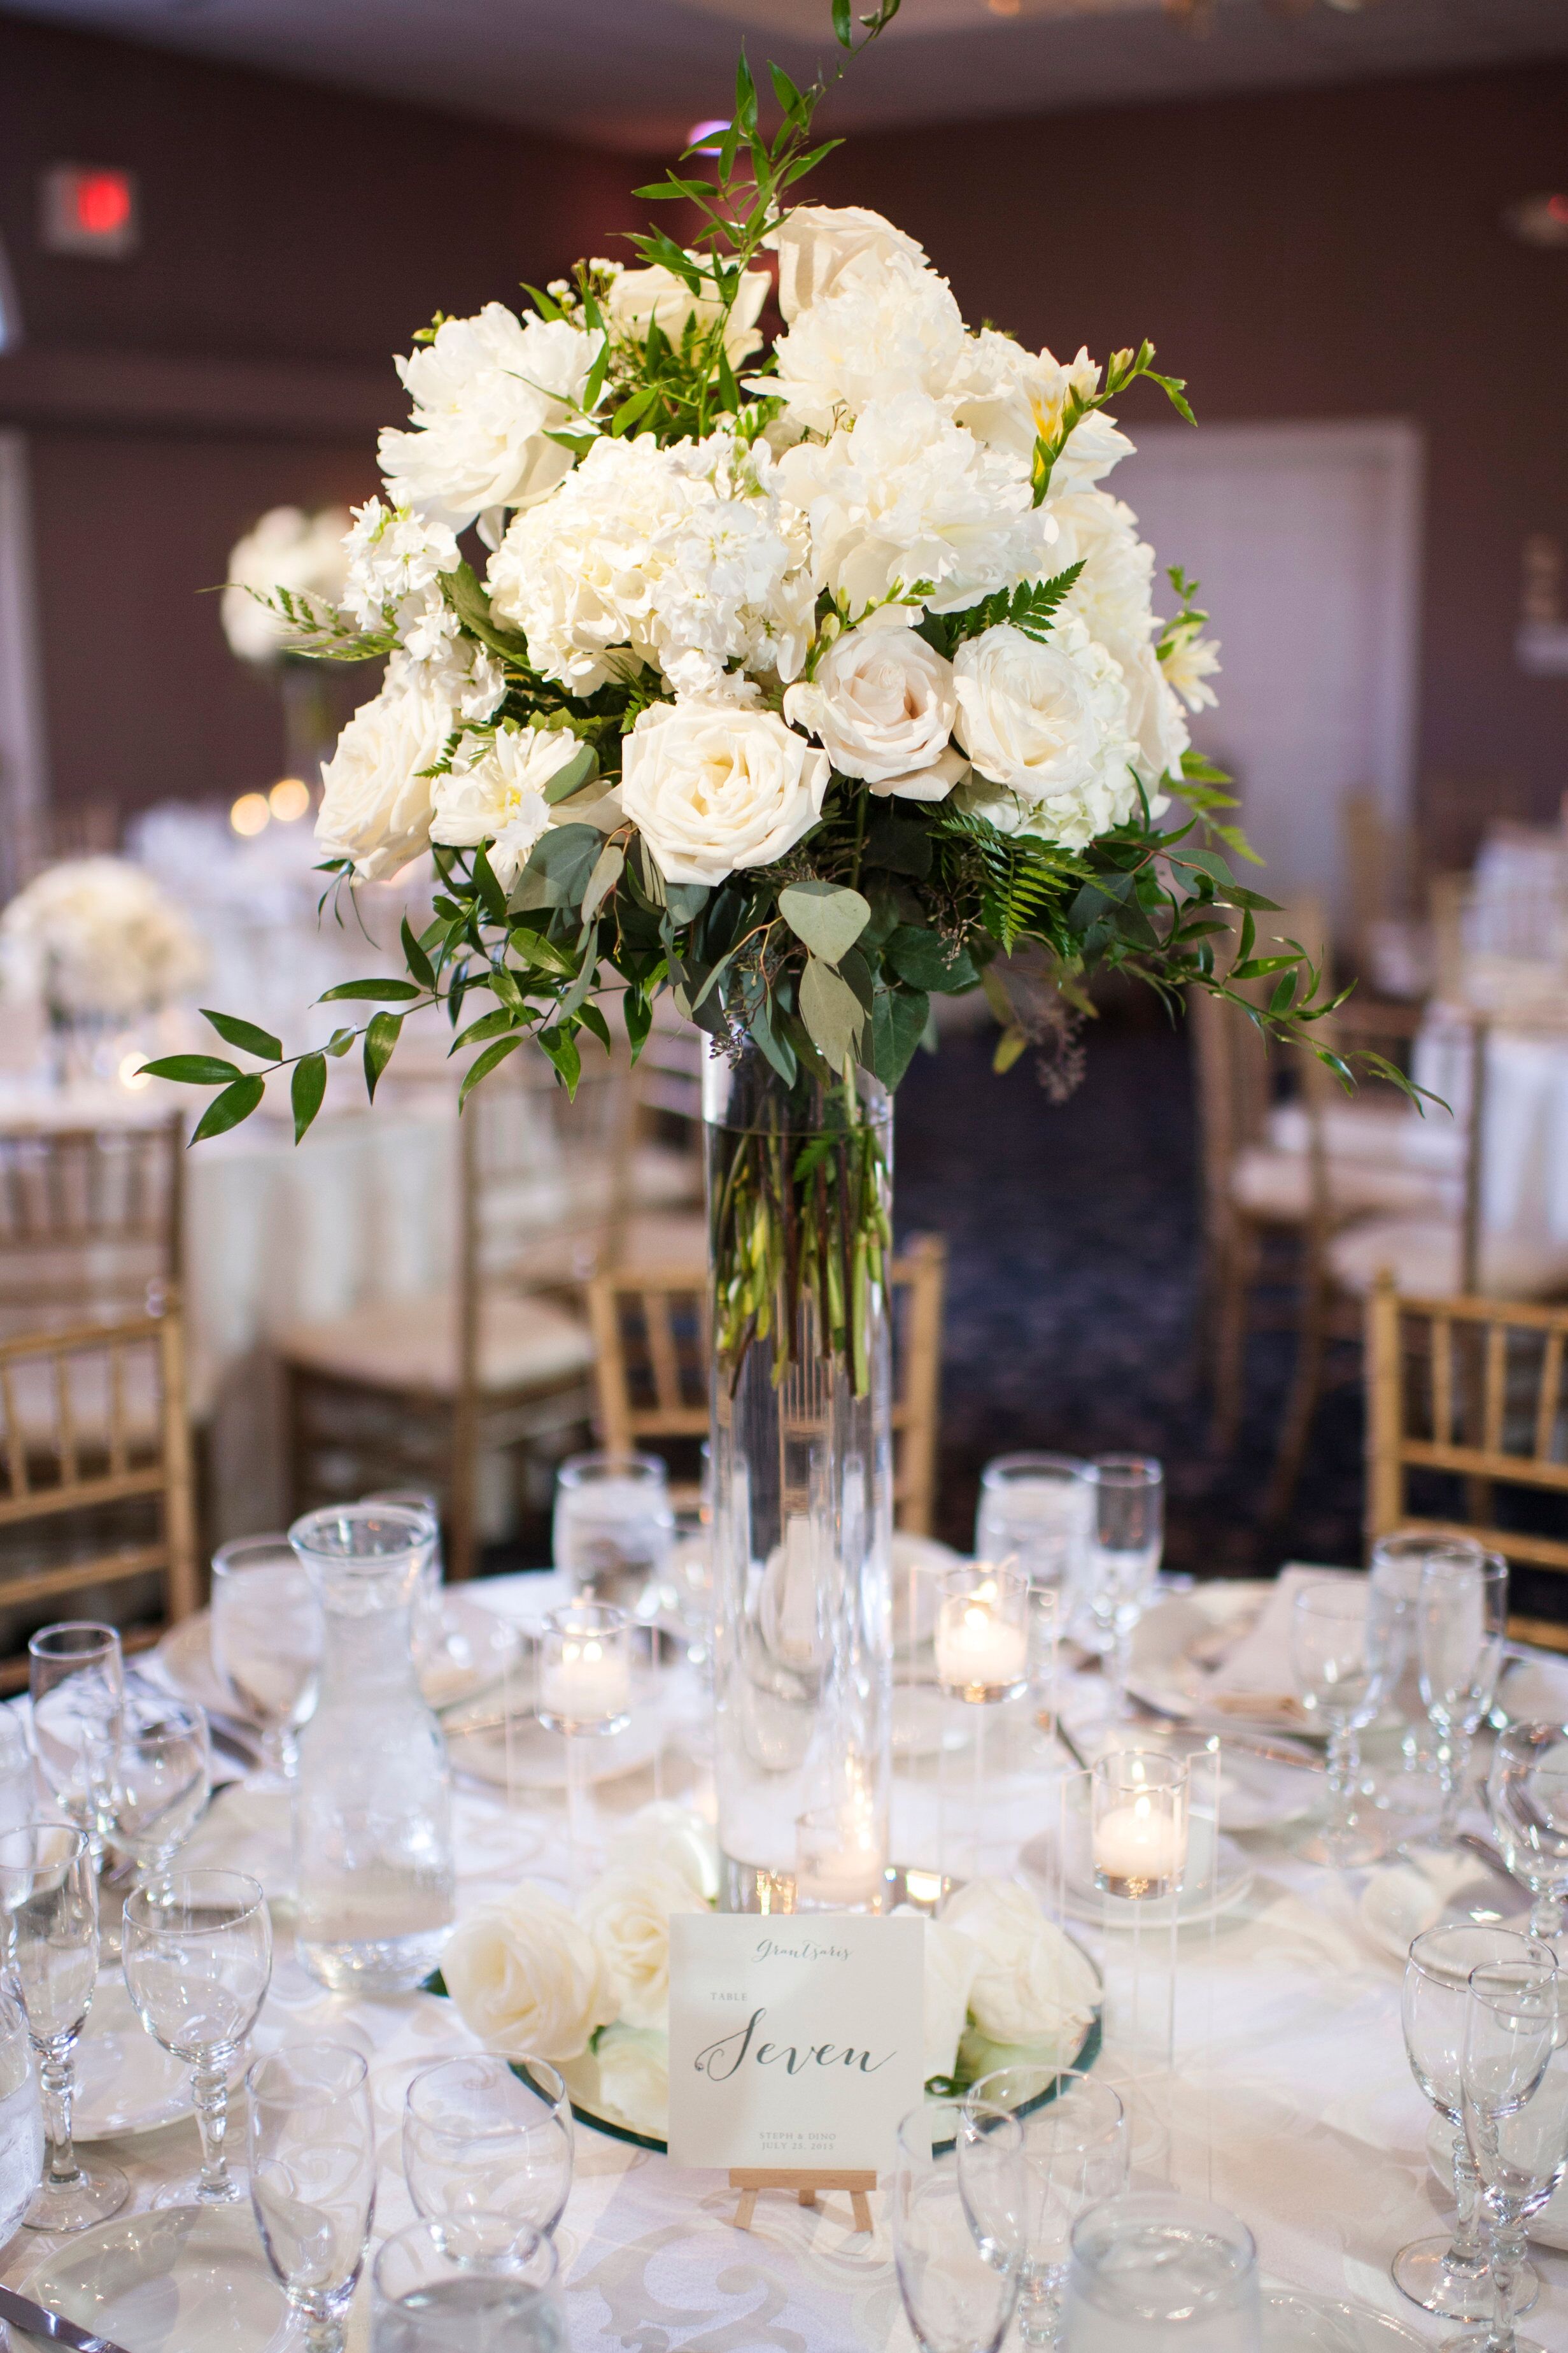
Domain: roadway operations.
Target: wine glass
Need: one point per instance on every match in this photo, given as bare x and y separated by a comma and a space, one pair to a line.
1037, 1508
50, 1891
1344, 1651
441, 2288
958, 2241
1461, 1623
1075, 2152
478, 2141
162, 1777
1397, 1561
267, 1637
311, 2144
614, 1527
1515, 2081
1153, 2272
1527, 1798
1444, 2275
1125, 1539
198, 1961
21, 2119
76, 1680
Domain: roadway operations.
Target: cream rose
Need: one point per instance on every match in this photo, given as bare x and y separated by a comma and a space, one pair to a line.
627, 1914
375, 796
494, 792
634, 2078
882, 706
638, 298
527, 1980
815, 242
713, 787
952, 1961
675, 1839
1049, 724
1032, 1981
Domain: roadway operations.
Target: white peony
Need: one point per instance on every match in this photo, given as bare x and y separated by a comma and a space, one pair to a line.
376, 797
905, 495
1032, 1981
494, 792
487, 393
713, 787
286, 549
526, 1979
882, 705
888, 326
1049, 725
676, 1838
952, 1963
628, 1914
392, 555
98, 936
815, 244
1010, 397
637, 298
633, 2069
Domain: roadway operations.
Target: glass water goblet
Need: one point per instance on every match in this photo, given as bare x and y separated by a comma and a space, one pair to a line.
50, 1891
1153, 2272
162, 1777
21, 2119
1446, 2275
441, 2288
1126, 1536
1076, 2151
198, 1960
1397, 1562
1527, 1799
1516, 2119
1037, 1509
267, 1638
76, 1682
312, 2145
958, 2239
614, 1529
481, 2146
1461, 1623
1344, 1652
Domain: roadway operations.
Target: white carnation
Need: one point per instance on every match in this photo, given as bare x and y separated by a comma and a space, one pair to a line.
392, 554
636, 299
905, 495
628, 1914
98, 936
1049, 725
1032, 1982
1009, 397
487, 393
713, 788
286, 549
494, 792
527, 1980
882, 705
887, 326
375, 798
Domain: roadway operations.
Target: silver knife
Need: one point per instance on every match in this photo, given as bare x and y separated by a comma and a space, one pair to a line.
52, 2327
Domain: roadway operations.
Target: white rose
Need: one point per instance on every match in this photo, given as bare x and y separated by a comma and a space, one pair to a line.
675, 1839
882, 705
494, 792
637, 298
527, 1980
376, 797
1032, 1981
486, 393
1048, 725
951, 1962
632, 2065
887, 327
1009, 397
815, 243
627, 1914
286, 549
713, 788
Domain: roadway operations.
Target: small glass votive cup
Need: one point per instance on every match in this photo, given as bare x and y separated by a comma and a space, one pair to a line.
983, 1633
840, 1859
1153, 2272
585, 1669
1138, 1822
450, 2286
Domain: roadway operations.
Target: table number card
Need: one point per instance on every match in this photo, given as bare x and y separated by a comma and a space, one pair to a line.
795, 2039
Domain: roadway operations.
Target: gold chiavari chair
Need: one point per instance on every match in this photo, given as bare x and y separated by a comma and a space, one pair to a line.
90, 1219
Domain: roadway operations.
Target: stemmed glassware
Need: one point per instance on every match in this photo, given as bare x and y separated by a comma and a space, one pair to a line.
1125, 1539
442, 2289
75, 1682
483, 2147
1036, 1509
959, 2233
1527, 1798
1395, 1574
1344, 1651
50, 1891
162, 1777
267, 1639
311, 2144
1075, 2152
1441, 2275
1151, 2272
198, 1961
21, 2120
615, 1527
1461, 1623
1516, 2118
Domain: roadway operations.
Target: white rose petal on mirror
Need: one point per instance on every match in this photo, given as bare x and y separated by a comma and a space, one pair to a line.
633, 2064
527, 1979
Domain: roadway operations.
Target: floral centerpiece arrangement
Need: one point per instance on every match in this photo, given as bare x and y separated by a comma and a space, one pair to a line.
589, 1990
287, 552
98, 944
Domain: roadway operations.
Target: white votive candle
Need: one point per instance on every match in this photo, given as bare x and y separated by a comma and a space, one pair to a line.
978, 1649
590, 1681
1140, 1842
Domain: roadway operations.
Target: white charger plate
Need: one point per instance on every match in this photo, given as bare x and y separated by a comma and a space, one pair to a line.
478, 1645
1402, 1899
1296, 2322
183, 2279
1231, 1884
126, 2083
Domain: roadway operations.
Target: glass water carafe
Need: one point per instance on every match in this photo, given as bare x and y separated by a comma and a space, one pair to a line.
372, 1814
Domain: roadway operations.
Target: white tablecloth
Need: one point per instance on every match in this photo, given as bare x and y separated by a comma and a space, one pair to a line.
1298, 2111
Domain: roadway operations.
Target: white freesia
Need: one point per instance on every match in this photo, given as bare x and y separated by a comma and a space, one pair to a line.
888, 326
952, 1963
392, 555
1189, 661
1048, 725
494, 792
628, 1914
487, 393
815, 243
882, 705
676, 1838
713, 787
527, 1979
636, 299
286, 549
375, 798
1010, 399
1032, 1981
98, 936
633, 2066
906, 496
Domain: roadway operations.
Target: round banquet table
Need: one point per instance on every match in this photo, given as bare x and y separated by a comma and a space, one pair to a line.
1316, 2132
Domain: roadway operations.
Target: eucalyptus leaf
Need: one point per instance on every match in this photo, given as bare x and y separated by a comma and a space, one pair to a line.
606, 873
559, 865
579, 770
899, 1018
832, 1012
828, 916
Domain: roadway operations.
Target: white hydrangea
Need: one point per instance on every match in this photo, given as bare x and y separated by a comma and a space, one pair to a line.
1009, 397
375, 798
1048, 728
487, 393
905, 495
98, 936
392, 555
885, 326
286, 549
494, 792
1155, 715
1113, 595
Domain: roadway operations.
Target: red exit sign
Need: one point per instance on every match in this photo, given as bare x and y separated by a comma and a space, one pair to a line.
89, 209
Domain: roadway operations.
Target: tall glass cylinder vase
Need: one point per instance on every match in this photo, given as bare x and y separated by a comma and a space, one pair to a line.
799, 1186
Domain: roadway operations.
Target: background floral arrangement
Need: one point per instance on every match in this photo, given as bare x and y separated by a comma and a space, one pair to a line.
96, 939
589, 1991
287, 552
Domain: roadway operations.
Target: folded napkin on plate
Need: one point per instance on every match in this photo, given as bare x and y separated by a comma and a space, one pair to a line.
1258, 1678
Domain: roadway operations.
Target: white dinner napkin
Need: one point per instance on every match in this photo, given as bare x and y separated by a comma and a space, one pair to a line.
1258, 1669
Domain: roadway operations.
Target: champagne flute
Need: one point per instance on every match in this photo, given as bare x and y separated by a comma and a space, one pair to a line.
1515, 2081
1126, 1538
312, 2135
958, 2238
1527, 1798
267, 1638
1346, 1656
162, 1777
1461, 1623
76, 1680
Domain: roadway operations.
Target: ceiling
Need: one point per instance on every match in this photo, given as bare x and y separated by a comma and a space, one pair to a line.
636, 73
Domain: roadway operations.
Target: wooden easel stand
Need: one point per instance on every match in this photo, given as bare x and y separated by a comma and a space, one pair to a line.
805, 2181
